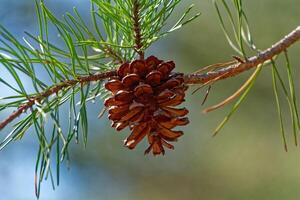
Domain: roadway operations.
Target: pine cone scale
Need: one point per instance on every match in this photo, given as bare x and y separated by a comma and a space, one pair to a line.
132, 143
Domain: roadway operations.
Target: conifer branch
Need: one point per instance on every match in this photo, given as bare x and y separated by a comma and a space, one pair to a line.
239, 67
54, 90
190, 79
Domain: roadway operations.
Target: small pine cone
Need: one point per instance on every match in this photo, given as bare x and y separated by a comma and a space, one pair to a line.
144, 97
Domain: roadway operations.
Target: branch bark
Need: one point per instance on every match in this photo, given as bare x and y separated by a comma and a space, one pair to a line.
190, 79
53, 90
239, 67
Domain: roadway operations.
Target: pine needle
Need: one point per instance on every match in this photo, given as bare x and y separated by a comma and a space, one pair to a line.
236, 94
214, 66
210, 82
237, 104
275, 88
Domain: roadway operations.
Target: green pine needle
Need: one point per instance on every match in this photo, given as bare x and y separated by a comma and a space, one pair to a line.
279, 110
238, 102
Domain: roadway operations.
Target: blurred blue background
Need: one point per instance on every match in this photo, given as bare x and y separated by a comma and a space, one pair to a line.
246, 161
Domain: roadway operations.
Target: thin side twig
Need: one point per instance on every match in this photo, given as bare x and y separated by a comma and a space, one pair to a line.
113, 54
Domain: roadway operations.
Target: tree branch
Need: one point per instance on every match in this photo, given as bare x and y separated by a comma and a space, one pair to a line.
53, 90
190, 79
235, 69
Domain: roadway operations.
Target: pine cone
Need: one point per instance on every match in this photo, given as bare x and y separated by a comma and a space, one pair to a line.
144, 94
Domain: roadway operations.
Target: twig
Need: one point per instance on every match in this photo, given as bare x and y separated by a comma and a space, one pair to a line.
53, 90
137, 29
238, 68
195, 78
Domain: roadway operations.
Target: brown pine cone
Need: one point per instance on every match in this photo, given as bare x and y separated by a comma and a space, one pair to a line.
144, 94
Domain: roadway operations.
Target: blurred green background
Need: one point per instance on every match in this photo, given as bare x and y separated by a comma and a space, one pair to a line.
246, 161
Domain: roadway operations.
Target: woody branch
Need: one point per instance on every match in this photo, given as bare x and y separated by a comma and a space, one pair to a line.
190, 79
239, 67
